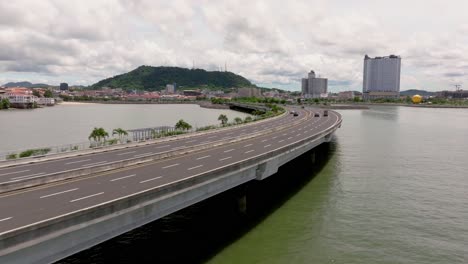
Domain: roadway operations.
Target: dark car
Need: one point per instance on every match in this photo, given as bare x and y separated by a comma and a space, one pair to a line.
295, 114
316, 115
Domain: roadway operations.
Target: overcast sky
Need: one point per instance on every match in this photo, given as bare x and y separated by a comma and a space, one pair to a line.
272, 43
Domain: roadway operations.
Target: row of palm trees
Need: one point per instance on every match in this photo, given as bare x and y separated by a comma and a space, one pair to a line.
99, 135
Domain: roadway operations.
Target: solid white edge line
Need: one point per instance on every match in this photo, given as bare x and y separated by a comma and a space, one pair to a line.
152, 188
126, 153
86, 197
15, 172
57, 193
27, 176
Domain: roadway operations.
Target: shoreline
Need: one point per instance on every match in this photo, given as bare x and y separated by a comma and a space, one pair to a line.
204, 104
410, 105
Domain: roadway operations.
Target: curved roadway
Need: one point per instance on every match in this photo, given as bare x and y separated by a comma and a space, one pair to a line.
31, 206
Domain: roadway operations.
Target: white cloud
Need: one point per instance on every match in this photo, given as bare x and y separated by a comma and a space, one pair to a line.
269, 42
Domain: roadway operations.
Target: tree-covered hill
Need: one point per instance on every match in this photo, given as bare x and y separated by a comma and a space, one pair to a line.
156, 78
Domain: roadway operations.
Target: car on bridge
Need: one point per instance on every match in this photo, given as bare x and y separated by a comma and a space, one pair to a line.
316, 115
294, 113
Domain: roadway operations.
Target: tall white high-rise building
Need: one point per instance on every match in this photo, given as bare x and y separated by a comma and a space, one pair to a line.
313, 87
381, 77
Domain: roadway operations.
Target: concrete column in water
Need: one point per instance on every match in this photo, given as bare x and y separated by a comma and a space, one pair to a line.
242, 200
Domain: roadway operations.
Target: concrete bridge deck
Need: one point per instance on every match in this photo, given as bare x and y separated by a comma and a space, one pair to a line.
47, 223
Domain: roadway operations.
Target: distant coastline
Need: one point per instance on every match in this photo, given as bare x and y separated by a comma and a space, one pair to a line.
204, 104
407, 105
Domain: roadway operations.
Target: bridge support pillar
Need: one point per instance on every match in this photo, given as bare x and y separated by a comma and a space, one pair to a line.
242, 204
242, 200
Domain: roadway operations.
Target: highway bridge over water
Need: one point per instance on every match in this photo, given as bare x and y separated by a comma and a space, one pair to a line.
54, 208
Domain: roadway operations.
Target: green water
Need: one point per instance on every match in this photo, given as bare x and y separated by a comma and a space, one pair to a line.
395, 190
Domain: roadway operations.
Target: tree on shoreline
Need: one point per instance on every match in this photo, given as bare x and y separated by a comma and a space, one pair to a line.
98, 134
238, 120
182, 125
121, 132
5, 103
223, 118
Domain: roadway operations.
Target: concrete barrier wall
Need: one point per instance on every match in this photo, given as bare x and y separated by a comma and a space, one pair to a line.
60, 237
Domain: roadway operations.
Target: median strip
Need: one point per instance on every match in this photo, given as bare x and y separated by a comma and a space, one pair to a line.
78, 161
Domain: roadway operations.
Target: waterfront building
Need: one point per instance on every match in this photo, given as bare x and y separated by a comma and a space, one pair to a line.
347, 95
248, 92
170, 88
192, 93
45, 101
271, 94
452, 94
381, 77
314, 87
64, 87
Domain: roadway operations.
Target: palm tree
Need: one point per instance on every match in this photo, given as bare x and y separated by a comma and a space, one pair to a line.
121, 132
223, 118
238, 120
97, 134
182, 125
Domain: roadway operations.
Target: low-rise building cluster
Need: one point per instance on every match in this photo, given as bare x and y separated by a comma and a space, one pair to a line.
22, 97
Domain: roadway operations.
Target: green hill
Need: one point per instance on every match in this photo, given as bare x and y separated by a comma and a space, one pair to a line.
412, 92
156, 78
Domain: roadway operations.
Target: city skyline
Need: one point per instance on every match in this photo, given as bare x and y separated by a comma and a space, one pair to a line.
53, 42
